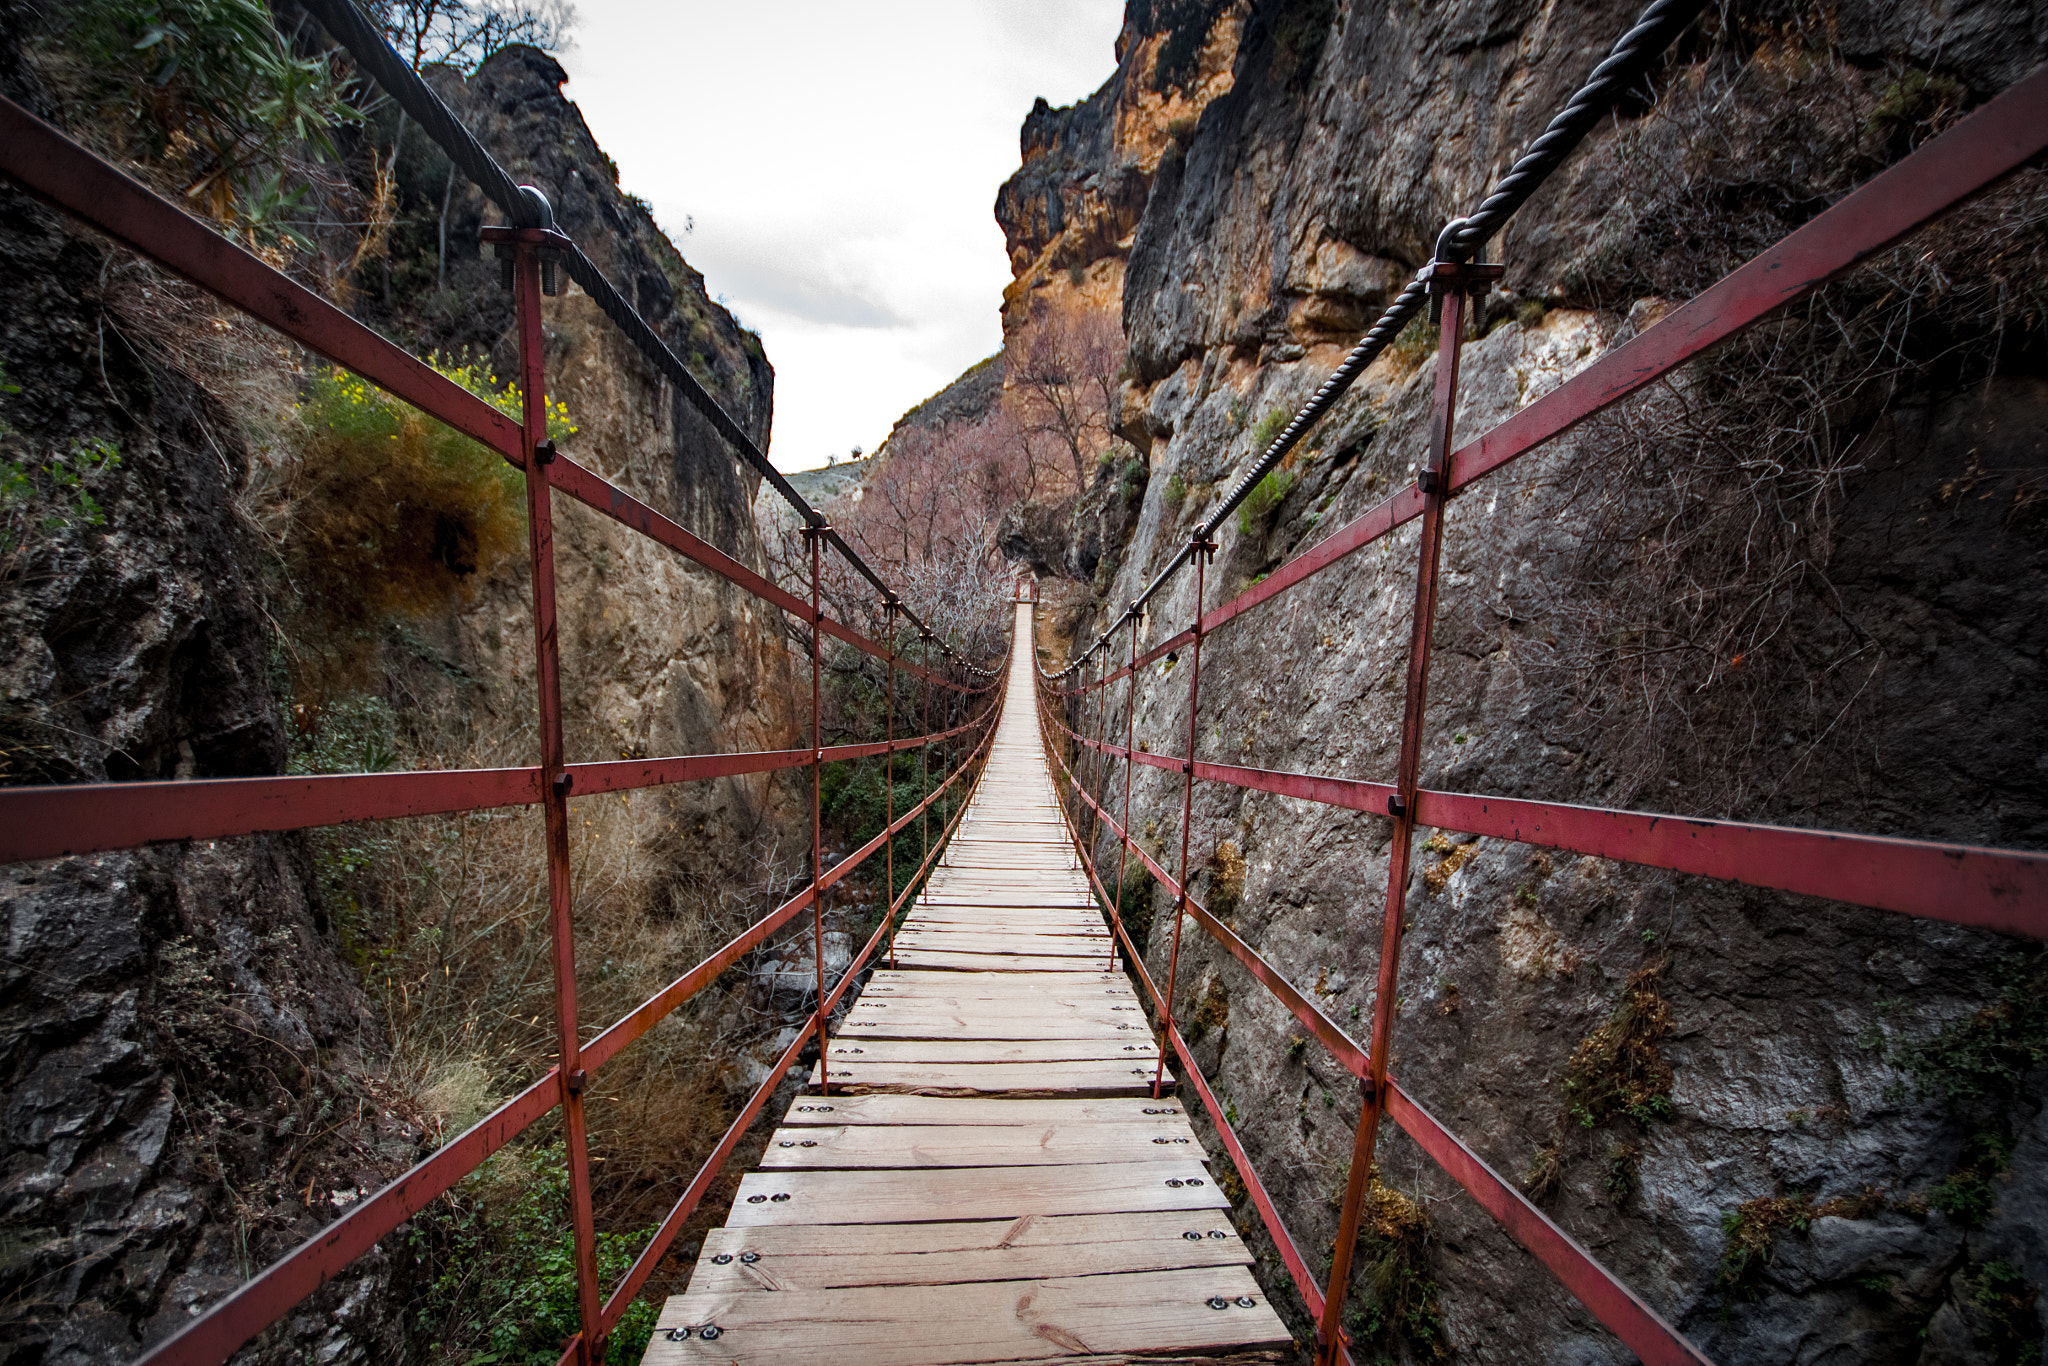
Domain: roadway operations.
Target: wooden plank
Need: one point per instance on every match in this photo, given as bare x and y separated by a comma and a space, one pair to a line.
952, 1193
872, 1051
987, 962
911, 1110
979, 1145
990, 1078
911, 941
829, 1256
917, 1325
962, 1025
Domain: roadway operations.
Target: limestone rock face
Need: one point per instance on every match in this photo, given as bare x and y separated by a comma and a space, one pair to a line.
187, 1065
1070, 212
1308, 191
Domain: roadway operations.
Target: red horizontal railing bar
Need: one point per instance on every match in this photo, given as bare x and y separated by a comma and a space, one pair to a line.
52, 167
1609, 1299
643, 1266
645, 1016
1994, 889
1982, 148
1357, 794
254, 1306
85, 818
1640, 1327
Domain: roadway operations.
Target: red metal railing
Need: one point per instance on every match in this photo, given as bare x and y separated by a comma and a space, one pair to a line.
1996, 889
46, 822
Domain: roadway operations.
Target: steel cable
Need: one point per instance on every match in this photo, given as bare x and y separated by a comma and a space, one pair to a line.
1627, 63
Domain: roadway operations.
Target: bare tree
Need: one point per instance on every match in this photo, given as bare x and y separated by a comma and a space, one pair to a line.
1063, 377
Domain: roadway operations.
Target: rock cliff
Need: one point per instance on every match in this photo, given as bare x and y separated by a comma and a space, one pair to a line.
1795, 1169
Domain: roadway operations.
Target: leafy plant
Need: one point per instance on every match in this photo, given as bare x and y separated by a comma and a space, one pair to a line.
1269, 428
1618, 1071
1266, 495
507, 1295
54, 493
209, 90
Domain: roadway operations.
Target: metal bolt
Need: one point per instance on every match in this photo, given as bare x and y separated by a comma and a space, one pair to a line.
1218, 1233
780, 1196
825, 1109
722, 1259
1162, 1140
1246, 1302
1218, 1302
679, 1334
1192, 1236
787, 1143
1194, 1181
810, 1143
709, 1332
1175, 1182
750, 1257
757, 1199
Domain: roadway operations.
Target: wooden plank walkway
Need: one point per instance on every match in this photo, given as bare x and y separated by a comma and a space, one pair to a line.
989, 1178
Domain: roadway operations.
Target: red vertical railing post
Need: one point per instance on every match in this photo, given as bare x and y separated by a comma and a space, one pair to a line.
1203, 549
815, 535
924, 755
1453, 280
1123, 848
540, 541
889, 781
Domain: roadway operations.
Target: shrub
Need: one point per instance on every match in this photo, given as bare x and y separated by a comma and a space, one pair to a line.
393, 514
1269, 428
1618, 1071
208, 89
1265, 497
507, 1295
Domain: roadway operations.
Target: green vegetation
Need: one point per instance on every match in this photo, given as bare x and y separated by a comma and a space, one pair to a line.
1416, 343
1398, 1317
1269, 428
1979, 1066
1617, 1071
1226, 880
207, 90
394, 515
1265, 497
1176, 490
507, 1293
1753, 1228
51, 494
2007, 1300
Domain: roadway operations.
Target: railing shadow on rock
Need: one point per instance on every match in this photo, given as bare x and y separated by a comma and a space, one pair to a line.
1994, 889
51, 822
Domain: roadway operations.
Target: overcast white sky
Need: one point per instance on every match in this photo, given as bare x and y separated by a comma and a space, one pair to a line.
840, 162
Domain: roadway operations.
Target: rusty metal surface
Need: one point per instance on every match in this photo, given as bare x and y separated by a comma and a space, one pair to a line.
569, 1073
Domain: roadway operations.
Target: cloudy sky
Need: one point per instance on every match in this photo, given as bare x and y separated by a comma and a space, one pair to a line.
839, 163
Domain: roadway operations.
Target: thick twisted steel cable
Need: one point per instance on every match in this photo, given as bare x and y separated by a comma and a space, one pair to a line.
1656, 29
367, 45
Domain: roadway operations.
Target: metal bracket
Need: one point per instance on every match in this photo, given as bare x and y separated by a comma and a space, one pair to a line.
544, 453
563, 782
1395, 806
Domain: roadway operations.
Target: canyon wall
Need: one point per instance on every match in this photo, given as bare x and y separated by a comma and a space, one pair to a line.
196, 1077
1760, 1110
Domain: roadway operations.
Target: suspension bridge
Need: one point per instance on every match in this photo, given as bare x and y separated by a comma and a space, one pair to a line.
996, 1157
